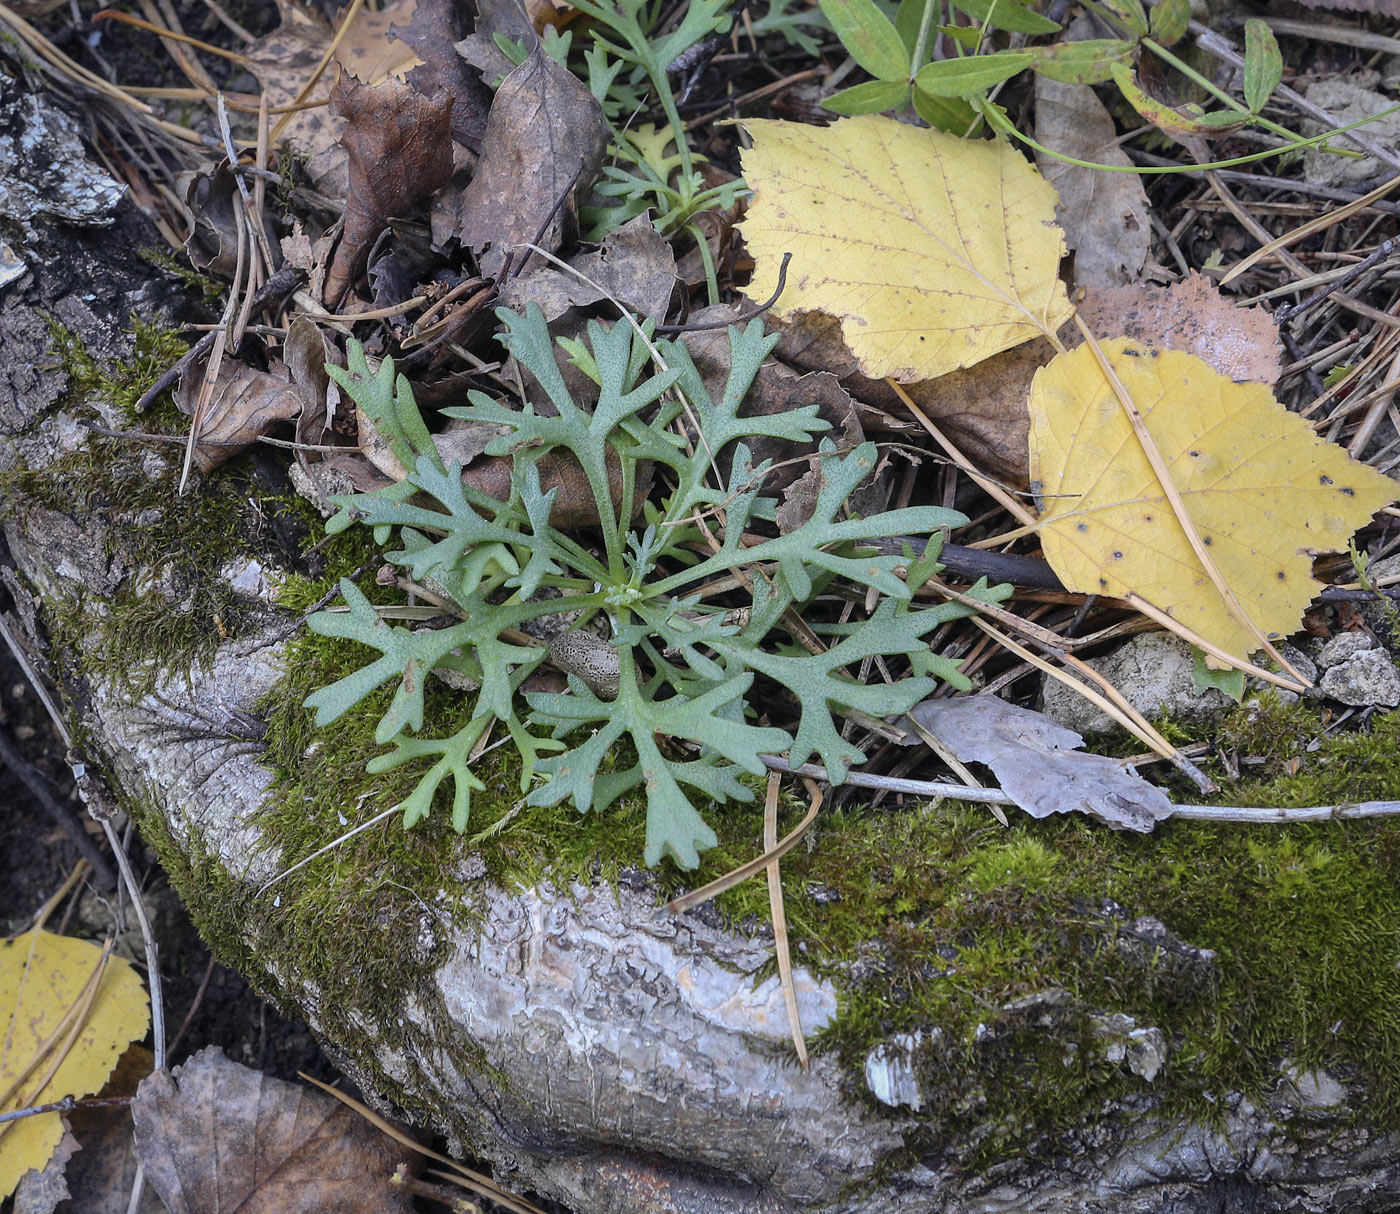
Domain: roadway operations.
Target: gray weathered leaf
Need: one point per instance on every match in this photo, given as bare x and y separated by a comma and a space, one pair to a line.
1037, 765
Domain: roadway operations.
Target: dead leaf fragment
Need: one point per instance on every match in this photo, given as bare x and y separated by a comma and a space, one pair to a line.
982, 408
1038, 763
635, 265
1104, 215
284, 60
399, 145
545, 138
1192, 316
934, 252
1264, 492
436, 27
214, 212
245, 405
214, 1135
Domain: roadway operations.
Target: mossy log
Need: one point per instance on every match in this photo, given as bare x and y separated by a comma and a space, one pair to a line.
1050, 1018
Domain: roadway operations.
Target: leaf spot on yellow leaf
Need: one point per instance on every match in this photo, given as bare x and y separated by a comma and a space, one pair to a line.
1259, 485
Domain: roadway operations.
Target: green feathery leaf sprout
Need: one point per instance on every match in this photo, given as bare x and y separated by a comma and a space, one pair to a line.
685, 666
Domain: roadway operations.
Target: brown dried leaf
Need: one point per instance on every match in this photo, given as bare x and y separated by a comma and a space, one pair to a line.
399, 145
436, 26
213, 211
1191, 316
1037, 765
982, 408
214, 1135
1104, 215
635, 265
546, 131
284, 60
246, 404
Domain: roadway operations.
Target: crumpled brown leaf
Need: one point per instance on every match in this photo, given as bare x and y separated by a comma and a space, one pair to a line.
213, 210
982, 409
1104, 215
246, 404
635, 265
213, 1135
284, 60
399, 144
545, 137
436, 26
1191, 316
1036, 763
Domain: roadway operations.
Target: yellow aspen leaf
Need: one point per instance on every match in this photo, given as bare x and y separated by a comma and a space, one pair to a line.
42, 977
1264, 492
934, 252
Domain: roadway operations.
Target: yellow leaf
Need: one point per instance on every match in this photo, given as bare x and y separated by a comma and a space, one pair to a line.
42, 976
934, 252
1262, 489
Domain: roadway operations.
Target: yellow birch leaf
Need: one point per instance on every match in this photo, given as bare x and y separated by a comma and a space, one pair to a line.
934, 252
41, 976
1264, 492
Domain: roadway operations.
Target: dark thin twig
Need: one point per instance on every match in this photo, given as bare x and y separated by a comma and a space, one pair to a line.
1290, 312
194, 1006
42, 791
743, 316
67, 1105
508, 270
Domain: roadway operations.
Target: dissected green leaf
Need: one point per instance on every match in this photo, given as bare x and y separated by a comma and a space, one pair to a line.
388, 402
674, 714
1263, 64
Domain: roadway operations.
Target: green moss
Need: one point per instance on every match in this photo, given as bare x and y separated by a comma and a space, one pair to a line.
164, 550
925, 917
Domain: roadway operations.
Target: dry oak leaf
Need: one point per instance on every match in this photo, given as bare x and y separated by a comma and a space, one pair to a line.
934, 252
42, 977
1263, 491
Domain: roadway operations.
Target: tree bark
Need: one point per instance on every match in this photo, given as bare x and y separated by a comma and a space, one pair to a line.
587, 1042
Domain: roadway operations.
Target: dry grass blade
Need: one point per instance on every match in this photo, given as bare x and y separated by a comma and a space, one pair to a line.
775, 903
305, 91
741, 874
1312, 227
1107, 698
478, 1182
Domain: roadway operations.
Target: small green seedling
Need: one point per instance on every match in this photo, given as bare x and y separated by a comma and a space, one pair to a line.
679, 712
